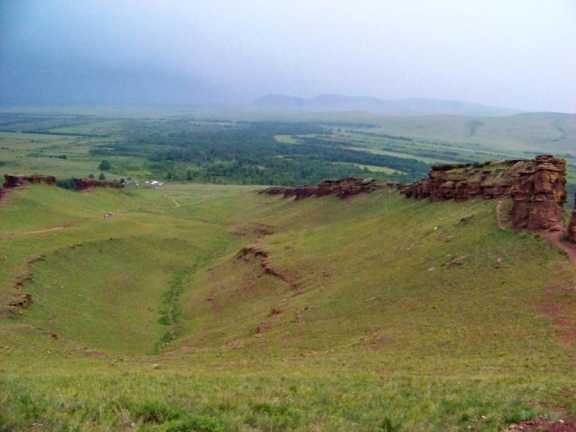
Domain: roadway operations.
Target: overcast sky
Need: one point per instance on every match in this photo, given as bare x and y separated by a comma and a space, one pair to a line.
511, 53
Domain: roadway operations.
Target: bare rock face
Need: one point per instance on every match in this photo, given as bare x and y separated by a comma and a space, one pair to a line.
539, 195
488, 180
537, 188
12, 181
342, 188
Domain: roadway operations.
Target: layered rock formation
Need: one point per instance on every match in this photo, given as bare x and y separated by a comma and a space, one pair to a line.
12, 181
79, 184
539, 195
342, 188
537, 188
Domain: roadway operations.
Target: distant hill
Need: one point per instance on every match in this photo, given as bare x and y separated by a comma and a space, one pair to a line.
541, 132
416, 106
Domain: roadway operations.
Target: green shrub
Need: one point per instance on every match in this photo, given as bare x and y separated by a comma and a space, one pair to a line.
66, 184
154, 412
105, 166
197, 424
388, 426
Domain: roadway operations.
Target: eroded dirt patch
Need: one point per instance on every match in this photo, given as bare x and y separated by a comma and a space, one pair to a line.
544, 425
19, 299
263, 258
559, 305
253, 230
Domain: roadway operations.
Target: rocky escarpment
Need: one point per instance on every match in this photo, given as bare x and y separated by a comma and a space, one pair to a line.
81, 184
539, 195
13, 181
537, 188
342, 188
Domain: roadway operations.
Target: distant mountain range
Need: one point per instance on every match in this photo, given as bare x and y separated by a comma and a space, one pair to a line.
401, 107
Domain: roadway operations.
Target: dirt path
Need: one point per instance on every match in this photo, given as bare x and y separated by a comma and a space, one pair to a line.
34, 232
173, 200
560, 301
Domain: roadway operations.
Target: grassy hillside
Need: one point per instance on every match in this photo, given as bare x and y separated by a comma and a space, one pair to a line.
540, 132
375, 314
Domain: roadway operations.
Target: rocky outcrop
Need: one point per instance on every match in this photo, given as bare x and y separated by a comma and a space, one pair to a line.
539, 195
342, 188
537, 188
81, 184
12, 181
487, 180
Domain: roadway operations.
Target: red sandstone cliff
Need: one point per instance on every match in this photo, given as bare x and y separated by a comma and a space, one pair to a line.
12, 181
539, 195
342, 188
537, 188
84, 184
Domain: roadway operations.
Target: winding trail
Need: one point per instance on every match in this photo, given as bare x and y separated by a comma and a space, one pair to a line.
13, 235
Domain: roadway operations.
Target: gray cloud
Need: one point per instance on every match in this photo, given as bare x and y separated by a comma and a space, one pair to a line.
516, 53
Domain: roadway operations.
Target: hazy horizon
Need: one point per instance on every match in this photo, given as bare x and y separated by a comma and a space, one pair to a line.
512, 54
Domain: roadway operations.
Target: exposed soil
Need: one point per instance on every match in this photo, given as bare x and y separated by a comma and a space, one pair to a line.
559, 306
19, 299
34, 232
544, 425
263, 258
253, 230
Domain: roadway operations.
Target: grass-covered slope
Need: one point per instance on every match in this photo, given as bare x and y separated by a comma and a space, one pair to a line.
437, 286
376, 313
